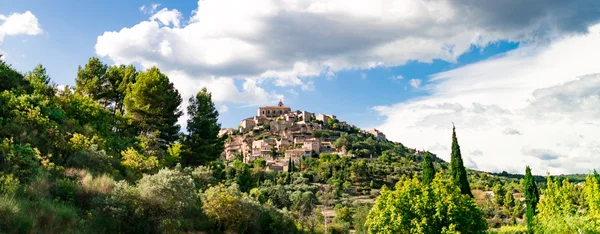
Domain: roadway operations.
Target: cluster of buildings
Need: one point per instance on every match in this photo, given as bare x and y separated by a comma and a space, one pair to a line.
278, 134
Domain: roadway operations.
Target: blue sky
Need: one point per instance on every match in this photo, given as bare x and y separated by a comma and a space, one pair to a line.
502, 74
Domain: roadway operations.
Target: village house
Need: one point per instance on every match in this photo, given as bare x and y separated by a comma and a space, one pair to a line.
247, 125
262, 148
296, 154
312, 144
273, 111
378, 134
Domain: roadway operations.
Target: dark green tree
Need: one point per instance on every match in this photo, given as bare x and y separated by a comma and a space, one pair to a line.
119, 80
532, 196
91, 78
202, 143
428, 169
597, 176
457, 169
153, 105
10, 78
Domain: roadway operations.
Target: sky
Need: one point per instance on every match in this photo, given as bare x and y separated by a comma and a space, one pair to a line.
520, 80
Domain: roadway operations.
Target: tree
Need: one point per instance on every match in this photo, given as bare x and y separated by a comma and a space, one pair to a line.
414, 207
509, 200
202, 143
40, 81
10, 78
153, 105
273, 152
428, 169
119, 80
90, 79
499, 193
457, 169
532, 197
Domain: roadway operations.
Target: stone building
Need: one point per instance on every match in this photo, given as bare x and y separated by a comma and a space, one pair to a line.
378, 134
247, 125
273, 111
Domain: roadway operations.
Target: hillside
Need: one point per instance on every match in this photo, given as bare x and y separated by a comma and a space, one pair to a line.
107, 156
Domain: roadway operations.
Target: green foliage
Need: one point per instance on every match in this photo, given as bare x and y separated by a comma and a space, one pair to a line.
202, 143
153, 105
237, 213
532, 197
558, 212
425, 208
11, 79
457, 169
21, 161
499, 193
428, 169
169, 189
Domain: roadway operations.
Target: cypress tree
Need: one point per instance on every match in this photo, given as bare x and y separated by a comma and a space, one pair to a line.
202, 143
428, 169
532, 197
457, 169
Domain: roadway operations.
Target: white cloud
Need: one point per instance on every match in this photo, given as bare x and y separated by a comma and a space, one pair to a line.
415, 83
289, 42
168, 17
19, 24
363, 76
551, 92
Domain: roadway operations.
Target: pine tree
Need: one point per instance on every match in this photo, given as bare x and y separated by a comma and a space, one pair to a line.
428, 169
153, 105
509, 200
457, 169
202, 143
91, 78
532, 196
499, 193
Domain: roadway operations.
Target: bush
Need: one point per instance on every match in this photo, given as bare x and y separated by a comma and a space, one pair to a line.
20, 160
64, 189
514, 229
169, 189
8, 184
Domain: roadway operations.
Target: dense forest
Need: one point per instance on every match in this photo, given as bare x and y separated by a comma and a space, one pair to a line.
107, 156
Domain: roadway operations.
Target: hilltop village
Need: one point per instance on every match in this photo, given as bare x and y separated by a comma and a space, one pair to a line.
278, 134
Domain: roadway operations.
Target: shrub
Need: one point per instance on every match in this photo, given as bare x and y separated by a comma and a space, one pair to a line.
8, 184
64, 189
169, 188
20, 160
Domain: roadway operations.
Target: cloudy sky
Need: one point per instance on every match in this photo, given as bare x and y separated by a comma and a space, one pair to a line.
519, 79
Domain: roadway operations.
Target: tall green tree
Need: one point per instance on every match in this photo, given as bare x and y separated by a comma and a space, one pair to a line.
153, 105
202, 143
457, 169
91, 78
428, 169
119, 80
532, 196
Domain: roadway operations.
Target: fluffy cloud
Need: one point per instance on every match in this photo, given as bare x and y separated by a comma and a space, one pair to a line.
550, 91
290, 41
19, 24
